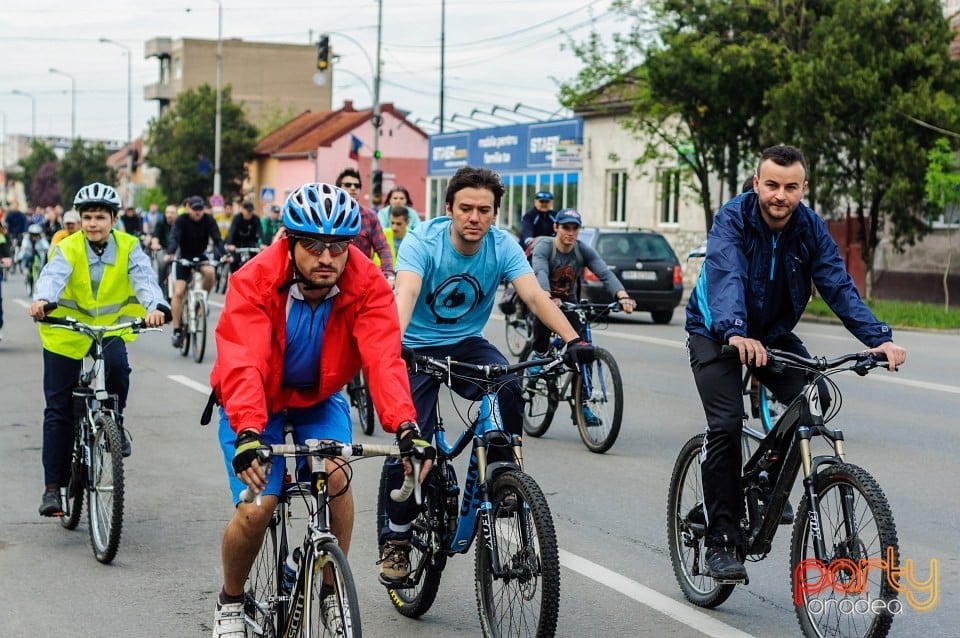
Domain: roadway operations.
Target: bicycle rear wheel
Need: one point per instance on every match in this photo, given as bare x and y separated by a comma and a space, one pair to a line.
522, 600
541, 396
364, 404
105, 493
599, 409
857, 525
71, 496
519, 330
199, 330
263, 585
339, 613
686, 528
426, 558
186, 326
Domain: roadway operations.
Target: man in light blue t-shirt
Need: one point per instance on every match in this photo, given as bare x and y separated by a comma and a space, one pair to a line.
448, 274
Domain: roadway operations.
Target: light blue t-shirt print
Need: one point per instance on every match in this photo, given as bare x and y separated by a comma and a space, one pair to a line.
457, 292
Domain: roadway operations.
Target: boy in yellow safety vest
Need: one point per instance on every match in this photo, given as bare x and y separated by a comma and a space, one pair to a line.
100, 277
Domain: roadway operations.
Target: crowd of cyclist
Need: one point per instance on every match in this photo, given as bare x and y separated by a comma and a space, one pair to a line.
330, 285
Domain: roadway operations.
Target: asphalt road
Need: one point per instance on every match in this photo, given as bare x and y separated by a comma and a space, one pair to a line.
609, 509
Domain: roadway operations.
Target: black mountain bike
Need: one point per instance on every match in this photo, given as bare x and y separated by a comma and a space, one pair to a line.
844, 517
594, 392
96, 464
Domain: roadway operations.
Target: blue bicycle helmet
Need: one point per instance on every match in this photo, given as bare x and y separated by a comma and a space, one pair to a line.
321, 209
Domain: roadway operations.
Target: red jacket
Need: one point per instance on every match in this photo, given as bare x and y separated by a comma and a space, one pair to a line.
363, 328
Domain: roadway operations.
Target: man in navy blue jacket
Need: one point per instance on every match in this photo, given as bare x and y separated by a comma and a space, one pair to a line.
763, 251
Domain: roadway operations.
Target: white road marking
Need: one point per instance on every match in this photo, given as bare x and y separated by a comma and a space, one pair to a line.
21, 302
211, 302
680, 612
202, 388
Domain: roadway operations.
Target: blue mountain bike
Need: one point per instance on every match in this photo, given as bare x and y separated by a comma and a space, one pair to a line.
517, 562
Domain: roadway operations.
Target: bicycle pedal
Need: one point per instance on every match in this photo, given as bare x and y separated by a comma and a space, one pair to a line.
732, 581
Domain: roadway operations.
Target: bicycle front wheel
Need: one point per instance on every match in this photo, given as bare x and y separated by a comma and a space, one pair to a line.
199, 331
263, 584
105, 492
519, 330
186, 326
541, 396
858, 529
598, 402
338, 614
518, 589
686, 528
71, 496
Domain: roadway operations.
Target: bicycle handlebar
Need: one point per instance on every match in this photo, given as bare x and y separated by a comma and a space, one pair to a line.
863, 361
586, 306
335, 449
443, 368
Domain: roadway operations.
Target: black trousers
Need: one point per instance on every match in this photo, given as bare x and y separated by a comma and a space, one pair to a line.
719, 382
60, 375
424, 389
541, 333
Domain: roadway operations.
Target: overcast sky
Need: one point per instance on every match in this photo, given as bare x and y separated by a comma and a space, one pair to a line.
497, 52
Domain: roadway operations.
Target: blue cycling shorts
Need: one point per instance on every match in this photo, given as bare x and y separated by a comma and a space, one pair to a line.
328, 419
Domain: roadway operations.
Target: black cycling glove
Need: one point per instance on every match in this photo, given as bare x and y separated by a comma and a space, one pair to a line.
412, 444
578, 352
247, 445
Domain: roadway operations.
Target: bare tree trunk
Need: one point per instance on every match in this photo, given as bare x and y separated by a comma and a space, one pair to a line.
946, 271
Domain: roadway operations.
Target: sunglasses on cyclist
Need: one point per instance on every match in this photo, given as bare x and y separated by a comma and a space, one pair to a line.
317, 246
350, 184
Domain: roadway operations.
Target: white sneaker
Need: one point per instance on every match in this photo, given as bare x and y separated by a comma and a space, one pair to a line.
228, 621
331, 615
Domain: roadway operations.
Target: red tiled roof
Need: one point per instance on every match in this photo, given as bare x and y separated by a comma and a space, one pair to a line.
309, 131
119, 158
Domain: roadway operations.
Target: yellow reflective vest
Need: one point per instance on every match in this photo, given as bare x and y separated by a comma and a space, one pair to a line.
115, 301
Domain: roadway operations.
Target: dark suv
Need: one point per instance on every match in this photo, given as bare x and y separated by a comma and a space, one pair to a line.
643, 261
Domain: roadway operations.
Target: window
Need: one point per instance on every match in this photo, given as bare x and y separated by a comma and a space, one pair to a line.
177, 68
669, 195
617, 197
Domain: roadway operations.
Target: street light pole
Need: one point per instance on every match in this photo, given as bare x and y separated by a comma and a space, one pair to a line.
218, 119
129, 53
73, 101
377, 119
33, 112
3, 162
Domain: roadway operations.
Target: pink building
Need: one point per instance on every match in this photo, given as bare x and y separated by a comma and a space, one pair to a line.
316, 146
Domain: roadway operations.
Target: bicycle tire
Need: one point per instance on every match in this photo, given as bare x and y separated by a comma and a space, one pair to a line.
199, 332
526, 543
833, 484
262, 588
425, 551
364, 405
600, 433
541, 397
685, 536
186, 326
331, 560
72, 495
519, 330
105, 492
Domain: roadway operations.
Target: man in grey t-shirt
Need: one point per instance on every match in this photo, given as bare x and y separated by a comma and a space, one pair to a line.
558, 265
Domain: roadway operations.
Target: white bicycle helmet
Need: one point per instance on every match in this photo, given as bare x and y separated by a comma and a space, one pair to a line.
321, 209
35, 229
97, 194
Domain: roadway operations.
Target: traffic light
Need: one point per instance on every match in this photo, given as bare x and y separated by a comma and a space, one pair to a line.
376, 188
323, 52
376, 154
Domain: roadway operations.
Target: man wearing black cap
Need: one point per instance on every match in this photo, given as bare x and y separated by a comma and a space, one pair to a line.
538, 220
246, 231
190, 235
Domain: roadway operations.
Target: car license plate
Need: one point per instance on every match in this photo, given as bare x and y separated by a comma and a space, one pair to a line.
640, 275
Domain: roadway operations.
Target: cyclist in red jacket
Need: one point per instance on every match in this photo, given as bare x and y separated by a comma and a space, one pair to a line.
300, 320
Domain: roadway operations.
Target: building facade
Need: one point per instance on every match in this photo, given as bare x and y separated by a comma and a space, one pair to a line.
270, 79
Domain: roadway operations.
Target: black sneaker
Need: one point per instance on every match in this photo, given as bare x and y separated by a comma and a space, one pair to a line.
177, 338
787, 517
126, 449
722, 564
50, 505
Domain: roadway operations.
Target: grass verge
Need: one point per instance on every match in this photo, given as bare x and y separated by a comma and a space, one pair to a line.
901, 314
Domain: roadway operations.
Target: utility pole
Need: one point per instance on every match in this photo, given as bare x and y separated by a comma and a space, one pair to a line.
218, 120
73, 101
376, 176
443, 40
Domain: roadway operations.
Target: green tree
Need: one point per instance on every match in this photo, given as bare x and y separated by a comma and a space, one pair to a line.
942, 187
845, 80
39, 155
871, 70
181, 143
81, 165
149, 196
